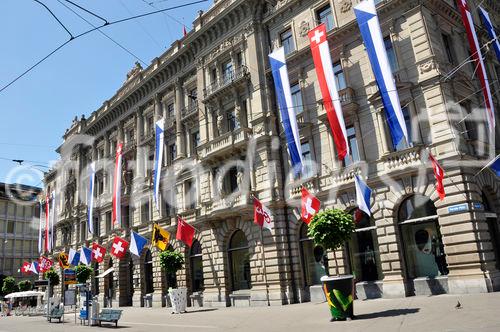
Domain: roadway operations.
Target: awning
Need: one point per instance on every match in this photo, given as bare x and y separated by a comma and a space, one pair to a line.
105, 273
24, 294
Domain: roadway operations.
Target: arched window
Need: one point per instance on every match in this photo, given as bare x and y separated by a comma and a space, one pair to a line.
148, 273
493, 228
239, 261
313, 259
421, 239
196, 263
363, 248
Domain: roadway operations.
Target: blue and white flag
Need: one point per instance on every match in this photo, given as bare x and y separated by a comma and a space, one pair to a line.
369, 25
34, 267
90, 198
85, 256
494, 165
287, 110
137, 243
158, 162
363, 195
73, 257
491, 30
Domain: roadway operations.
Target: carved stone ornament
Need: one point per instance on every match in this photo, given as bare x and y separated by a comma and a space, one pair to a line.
427, 66
134, 71
345, 6
304, 28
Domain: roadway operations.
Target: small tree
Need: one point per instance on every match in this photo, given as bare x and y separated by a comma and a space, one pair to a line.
83, 273
171, 261
9, 285
331, 229
25, 285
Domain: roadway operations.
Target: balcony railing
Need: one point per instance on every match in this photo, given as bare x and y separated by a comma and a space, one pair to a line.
228, 79
232, 139
190, 110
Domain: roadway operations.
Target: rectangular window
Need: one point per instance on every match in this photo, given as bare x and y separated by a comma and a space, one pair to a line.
297, 98
193, 98
10, 226
126, 216
448, 48
19, 227
227, 71
213, 75
195, 141
83, 231
108, 222
145, 215
11, 210
171, 110
190, 195
3, 224
151, 125
172, 152
353, 147
232, 121
239, 59
97, 227
338, 71
287, 42
403, 144
391, 54
307, 160
325, 16
28, 213
3, 206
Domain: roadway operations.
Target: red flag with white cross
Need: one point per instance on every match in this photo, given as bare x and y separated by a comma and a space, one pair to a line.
119, 247
98, 252
310, 206
25, 269
439, 174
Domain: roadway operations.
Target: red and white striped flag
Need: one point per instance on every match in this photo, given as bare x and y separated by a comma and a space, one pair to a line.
262, 215
47, 222
478, 60
117, 185
329, 90
439, 174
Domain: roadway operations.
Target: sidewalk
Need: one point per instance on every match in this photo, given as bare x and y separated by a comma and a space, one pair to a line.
436, 313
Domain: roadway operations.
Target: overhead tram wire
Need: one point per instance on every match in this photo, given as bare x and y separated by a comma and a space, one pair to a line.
142, 27
103, 33
88, 11
56, 18
94, 29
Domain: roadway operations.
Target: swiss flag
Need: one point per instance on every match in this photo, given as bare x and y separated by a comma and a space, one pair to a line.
98, 252
25, 269
119, 247
310, 206
439, 174
185, 232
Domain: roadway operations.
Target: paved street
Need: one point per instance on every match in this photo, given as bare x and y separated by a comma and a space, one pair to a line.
479, 313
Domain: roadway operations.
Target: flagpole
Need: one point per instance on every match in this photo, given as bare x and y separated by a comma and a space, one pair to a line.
264, 265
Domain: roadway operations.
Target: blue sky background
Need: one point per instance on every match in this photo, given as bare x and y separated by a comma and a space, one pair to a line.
37, 109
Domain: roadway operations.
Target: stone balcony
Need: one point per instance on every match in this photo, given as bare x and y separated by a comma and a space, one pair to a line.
227, 143
228, 206
400, 160
222, 85
190, 111
347, 98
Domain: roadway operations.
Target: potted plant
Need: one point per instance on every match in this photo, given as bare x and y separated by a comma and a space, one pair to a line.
53, 278
25, 285
83, 273
172, 261
9, 286
331, 229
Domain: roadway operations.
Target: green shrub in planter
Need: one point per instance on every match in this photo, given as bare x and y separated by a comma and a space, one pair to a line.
52, 276
171, 261
9, 286
83, 273
25, 285
331, 229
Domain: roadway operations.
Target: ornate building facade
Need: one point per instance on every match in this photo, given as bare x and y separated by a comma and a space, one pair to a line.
224, 144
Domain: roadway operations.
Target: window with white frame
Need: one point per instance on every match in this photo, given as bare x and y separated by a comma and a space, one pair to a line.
325, 15
352, 141
297, 98
391, 54
308, 169
286, 39
338, 71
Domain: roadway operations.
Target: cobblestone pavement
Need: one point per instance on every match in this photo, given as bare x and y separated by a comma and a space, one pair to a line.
436, 313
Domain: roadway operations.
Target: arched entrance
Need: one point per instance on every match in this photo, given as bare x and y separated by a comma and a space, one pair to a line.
239, 261
363, 248
126, 280
492, 221
421, 239
147, 287
196, 267
109, 285
313, 259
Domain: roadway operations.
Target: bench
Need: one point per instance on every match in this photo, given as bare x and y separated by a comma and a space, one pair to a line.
109, 316
56, 313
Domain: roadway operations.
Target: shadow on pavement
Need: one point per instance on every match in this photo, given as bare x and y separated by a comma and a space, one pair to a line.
200, 310
388, 313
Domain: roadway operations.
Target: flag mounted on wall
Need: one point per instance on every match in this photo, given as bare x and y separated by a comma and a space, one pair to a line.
137, 243
98, 252
262, 215
439, 174
326, 78
63, 260
185, 232
363, 196
477, 56
491, 30
310, 205
25, 269
74, 257
369, 26
117, 186
119, 247
160, 237
287, 110
34, 267
85, 256
158, 162
44, 264
90, 198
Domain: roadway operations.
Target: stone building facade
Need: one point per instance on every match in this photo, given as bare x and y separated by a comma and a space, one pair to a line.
19, 222
224, 144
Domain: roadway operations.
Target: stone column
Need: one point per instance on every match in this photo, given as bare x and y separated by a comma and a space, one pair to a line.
139, 150
381, 130
158, 108
179, 105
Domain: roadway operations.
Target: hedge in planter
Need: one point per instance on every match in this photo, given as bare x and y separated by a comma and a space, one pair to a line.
25, 285
171, 261
9, 286
331, 229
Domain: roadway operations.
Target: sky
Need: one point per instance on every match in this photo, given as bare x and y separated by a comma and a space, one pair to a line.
36, 110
